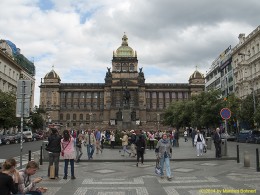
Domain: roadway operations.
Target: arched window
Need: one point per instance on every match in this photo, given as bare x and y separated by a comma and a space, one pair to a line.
124, 67
68, 116
61, 117
74, 117
132, 67
81, 117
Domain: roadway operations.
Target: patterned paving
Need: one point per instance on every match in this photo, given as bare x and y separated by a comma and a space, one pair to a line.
147, 185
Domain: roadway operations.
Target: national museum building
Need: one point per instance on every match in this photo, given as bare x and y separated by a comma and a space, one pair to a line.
124, 101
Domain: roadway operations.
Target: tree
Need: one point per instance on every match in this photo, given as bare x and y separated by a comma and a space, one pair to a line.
246, 113
8, 110
207, 106
36, 120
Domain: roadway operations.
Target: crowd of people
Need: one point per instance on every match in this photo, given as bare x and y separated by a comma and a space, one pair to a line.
69, 146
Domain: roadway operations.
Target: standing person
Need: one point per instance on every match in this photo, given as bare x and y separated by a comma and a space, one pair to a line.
68, 153
125, 143
54, 149
103, 137
112, 139
151, 140
132, 143
199, 142
176, 137
79, 152
164, 153
90, 142
173, 138
140, 147
217, 142
26, 184
185, 134
9, 184
193, 133
98, 139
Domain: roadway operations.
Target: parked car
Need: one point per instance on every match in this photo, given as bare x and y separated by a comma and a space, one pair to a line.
257, 139
253, 135
36, 137
232, 136
8, 139
28, 135
18, 138
243, 136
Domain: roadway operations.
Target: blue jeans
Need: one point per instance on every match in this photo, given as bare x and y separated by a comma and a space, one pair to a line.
167, 166
54, 158
71, 166
90, 150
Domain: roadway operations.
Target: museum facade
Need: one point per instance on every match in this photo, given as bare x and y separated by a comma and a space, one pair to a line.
123, 101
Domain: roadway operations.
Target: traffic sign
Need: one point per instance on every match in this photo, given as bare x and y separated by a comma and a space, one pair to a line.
225, 113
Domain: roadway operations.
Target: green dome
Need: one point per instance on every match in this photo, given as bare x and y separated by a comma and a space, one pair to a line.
124, 50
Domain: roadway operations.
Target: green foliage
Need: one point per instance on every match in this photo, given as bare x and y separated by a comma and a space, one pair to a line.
36, 118
8, 110
247, 111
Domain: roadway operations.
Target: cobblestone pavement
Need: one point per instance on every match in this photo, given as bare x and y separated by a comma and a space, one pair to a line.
191, 174
115, 178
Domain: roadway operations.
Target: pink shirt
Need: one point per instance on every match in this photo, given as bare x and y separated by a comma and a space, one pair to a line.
69, 152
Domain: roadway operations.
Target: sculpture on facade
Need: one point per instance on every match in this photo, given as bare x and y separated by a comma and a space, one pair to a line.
127, 96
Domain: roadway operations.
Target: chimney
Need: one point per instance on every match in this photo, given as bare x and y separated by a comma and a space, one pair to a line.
241, 38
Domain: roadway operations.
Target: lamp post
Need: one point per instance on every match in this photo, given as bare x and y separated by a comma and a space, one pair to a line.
158, 121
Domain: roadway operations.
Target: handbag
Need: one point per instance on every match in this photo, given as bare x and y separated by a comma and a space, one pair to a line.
63, 148
157, 167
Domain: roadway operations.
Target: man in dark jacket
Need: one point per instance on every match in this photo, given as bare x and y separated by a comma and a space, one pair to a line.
54, 149
217, 142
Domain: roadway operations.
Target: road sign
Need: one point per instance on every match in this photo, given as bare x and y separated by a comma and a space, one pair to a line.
225, 113
24, 89
26, 107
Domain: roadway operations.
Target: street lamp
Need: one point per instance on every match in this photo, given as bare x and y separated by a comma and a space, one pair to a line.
158, 121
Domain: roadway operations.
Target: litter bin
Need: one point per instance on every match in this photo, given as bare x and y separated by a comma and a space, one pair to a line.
223, 147
45, 153
208, 142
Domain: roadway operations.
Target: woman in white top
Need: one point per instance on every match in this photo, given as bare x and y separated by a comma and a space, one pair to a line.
199, 142
112, 139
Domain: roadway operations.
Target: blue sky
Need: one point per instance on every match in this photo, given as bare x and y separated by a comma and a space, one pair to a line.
78, 37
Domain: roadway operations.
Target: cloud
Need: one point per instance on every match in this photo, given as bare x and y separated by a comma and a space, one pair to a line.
171, 37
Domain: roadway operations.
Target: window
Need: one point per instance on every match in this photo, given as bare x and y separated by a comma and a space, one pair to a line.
68, 116
154, 95
81, 116
132, 67
61, 117
124, 67
74, 117
173, 95
88, 94
160, 94
180, 95
167, 95
118, 67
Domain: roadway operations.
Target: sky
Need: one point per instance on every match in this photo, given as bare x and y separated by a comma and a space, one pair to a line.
172, 38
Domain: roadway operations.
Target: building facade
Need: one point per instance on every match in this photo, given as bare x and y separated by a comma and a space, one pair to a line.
246, 64
124, 101
14, 66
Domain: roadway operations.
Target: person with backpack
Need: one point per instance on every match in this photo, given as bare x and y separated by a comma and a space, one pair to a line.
140, 148
133, 143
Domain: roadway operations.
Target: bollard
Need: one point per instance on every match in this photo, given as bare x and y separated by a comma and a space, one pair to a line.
30, 155
257, 160
41, 156
36, 158
246, 159
238, 158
